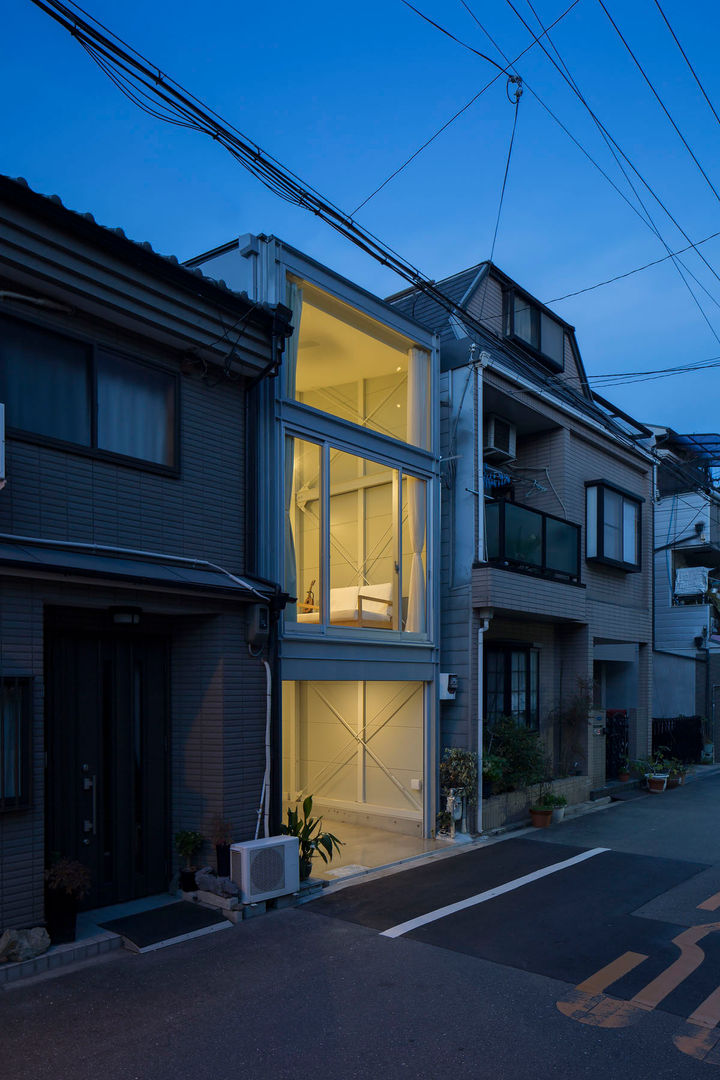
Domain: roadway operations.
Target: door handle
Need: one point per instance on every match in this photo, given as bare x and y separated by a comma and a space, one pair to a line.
90, 784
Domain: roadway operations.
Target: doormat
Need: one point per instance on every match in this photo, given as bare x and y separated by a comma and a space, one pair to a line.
168, 925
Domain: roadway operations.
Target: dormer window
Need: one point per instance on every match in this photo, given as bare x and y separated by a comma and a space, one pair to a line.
529, 324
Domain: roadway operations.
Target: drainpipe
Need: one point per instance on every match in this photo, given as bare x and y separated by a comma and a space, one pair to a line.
480, 697
479, 559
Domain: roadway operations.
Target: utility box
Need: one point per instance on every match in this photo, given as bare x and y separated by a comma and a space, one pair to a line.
259, 626
448, 686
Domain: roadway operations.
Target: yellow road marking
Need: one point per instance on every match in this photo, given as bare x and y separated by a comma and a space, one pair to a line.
611, 973
691, 956
711, 904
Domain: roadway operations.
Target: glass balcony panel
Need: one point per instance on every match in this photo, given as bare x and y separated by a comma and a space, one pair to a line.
492, 530
562, 547
523, 535
514, 537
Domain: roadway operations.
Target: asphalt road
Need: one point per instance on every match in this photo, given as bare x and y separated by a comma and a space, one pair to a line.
555, 959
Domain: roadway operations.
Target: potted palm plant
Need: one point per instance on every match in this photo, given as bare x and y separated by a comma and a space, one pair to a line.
187, 844
67, 881
312, 839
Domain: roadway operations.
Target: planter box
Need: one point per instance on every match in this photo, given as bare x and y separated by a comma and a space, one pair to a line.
513, 807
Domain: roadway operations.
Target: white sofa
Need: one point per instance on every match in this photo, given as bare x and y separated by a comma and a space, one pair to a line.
355, 605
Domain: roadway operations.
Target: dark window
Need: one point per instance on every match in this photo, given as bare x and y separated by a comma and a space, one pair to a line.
15, 716
511, 684
613, 526
76, 393
528, 323
45, 382
135, 410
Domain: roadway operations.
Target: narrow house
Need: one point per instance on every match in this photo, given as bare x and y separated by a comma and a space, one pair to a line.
347, 469
136, 654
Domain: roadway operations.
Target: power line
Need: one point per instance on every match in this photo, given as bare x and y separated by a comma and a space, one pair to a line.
518, 94
145, 83
629, 273
659, 100
466, 106
685, 58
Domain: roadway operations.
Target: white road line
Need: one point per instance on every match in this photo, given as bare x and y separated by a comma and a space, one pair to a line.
490, 894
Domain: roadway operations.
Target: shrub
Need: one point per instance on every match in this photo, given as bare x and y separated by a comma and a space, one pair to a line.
459, 772
521, 750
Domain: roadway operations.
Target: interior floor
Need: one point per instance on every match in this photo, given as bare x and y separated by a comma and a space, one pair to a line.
365, 848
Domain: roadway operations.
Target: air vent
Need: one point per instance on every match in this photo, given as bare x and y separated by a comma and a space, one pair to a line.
265, 868
500, 436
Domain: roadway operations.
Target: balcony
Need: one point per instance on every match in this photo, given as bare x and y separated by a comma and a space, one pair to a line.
532, 542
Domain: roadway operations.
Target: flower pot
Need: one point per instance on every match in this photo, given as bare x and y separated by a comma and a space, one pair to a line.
656, 782
222, 855
558, 814
305, 868
673, 781
623, 777
541, 818
60, 916
187, 880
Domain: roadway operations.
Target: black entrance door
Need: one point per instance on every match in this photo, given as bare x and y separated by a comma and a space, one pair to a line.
106, 720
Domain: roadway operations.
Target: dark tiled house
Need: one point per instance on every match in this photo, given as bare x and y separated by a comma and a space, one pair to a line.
132, 704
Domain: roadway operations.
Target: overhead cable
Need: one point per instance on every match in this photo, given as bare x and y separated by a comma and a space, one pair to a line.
509, 67
659, 100
687, 61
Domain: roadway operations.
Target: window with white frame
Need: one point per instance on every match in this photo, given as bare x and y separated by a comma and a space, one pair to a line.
355, 541
612, 526
343, 362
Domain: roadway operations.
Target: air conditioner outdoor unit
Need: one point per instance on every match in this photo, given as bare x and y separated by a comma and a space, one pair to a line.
499, 439
265, 868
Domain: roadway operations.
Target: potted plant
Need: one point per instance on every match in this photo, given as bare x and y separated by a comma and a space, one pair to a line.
187, 844
656, 771
541, 810
220, 838
624, 770
677, 771
459, 780
558, 802
67, 881
311, 837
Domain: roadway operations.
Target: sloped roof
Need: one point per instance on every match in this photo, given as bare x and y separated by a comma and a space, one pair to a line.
416, 305
510, 354
18, 191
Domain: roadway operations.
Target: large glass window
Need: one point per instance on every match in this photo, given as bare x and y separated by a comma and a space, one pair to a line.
86, 396
355, 746
511, 684
613, 527
349, 365
355, 541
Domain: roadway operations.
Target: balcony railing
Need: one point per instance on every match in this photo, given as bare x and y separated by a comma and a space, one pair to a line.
532, 542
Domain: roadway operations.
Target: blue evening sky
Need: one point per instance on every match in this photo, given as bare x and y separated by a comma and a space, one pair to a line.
343, 93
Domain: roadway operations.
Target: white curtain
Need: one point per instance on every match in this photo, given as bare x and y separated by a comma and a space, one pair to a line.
294, 300
418, 413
